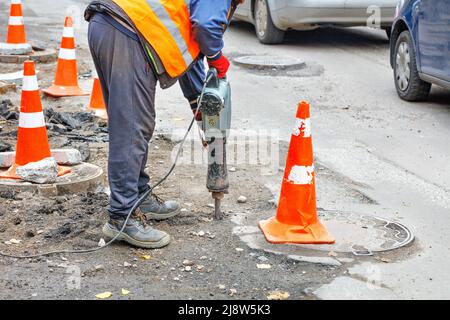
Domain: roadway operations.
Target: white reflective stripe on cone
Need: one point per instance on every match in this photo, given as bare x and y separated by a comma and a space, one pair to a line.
15, 21
301, 175
302, 128
30, 120
68, 32
30, 83
16, 1
67, 54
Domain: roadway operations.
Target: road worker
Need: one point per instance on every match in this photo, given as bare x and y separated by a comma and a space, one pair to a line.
134, 45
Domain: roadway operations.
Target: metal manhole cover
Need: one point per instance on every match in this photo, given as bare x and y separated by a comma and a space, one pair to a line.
361, 234
269, 62
355, 233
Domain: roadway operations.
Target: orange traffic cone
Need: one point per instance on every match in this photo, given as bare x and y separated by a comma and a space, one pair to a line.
66, 79
32, 142
296, 220
16, 27
16, 41
97, 103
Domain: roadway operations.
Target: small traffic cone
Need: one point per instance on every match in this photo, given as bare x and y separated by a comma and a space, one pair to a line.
97, 103
66, 78
16, 40
32, 143
296, 220
16, 27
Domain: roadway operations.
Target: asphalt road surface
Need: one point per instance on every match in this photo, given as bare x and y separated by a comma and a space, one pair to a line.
362, 130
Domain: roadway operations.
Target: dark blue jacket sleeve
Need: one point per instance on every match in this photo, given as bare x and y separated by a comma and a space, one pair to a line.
192, 81
209, 19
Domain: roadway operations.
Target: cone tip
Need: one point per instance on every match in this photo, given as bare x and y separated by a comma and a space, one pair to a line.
303, 110
68, 22
28, 68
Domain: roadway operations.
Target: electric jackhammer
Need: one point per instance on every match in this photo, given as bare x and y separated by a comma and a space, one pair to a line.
216, 121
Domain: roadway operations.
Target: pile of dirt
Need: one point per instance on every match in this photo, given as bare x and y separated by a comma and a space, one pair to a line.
43, 224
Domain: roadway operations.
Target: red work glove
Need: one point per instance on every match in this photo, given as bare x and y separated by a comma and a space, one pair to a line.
198, 115
194, 107
221, 64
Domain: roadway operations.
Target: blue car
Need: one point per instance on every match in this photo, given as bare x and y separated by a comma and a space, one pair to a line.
420, 47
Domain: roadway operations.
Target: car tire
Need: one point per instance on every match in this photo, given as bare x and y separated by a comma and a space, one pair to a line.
266, 31
405, 65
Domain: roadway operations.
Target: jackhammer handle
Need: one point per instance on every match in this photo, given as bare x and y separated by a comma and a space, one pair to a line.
212, 78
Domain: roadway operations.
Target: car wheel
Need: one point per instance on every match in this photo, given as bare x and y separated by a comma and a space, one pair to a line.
266, 31
407, 81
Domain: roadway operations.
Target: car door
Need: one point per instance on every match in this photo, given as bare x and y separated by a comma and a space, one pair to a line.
434, 37
376, 13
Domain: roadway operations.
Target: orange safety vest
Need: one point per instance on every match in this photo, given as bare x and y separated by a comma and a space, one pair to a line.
166, 25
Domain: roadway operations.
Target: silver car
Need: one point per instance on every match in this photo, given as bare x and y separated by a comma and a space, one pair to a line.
273, 17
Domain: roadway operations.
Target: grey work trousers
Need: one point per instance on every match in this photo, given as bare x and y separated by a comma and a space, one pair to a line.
128, 84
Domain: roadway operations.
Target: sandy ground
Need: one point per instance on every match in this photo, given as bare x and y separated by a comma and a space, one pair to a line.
377, 154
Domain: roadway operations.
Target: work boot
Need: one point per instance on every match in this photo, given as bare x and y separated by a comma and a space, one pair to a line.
136, 232
155, 208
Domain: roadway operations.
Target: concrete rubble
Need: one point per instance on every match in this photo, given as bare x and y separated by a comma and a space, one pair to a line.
41, 172
242, 199
7, 159
68, 157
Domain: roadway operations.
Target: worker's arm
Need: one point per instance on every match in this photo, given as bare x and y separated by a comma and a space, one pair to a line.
209, 20
192, 83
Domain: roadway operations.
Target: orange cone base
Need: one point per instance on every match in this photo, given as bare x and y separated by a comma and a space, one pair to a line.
277, 232
61, 91
11, 173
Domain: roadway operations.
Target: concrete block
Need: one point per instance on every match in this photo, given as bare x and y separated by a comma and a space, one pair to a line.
41, 172
65, 157
7, 159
